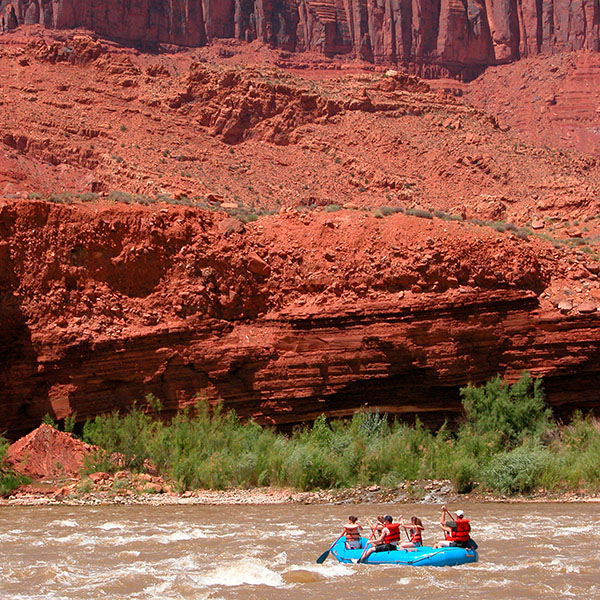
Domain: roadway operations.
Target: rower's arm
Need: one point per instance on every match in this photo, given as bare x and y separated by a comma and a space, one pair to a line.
380, 539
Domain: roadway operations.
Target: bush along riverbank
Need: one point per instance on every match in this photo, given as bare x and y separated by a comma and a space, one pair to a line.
508, 444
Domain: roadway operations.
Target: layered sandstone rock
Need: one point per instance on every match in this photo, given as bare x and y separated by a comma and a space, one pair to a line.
451, 37
291, 317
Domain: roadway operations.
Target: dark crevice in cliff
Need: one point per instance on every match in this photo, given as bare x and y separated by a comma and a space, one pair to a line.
402, 395
499, 302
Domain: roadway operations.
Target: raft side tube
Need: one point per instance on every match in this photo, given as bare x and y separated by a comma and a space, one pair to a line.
422, 556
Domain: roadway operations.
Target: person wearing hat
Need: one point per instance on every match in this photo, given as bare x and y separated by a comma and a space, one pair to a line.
387, 540
456, 530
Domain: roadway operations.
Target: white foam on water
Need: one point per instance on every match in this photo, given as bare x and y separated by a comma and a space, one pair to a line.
65, 523
9, 537
435, 581
404, 581
567, 591
133, 553
280, 559
193, 534
111, 526
564, 565
242, 572
161, 592
161, 588
293, 531
327, 569
75, 539
569, 531
490, 566
161, 538
184, 564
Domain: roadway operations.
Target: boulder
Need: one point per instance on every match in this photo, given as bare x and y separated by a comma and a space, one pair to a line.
47, 453
257, 265
586, 308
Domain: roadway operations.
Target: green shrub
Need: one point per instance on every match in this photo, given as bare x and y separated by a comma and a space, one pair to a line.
464, 475
9, 480
419, 212
505, 415
130, 435
49, 420
508, 443
119, 196
519, 470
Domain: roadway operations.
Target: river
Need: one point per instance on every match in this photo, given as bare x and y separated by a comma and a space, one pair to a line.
527, 551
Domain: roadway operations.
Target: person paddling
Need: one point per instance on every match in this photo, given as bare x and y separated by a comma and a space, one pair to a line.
414, 529
387, 540
379, 524
456, 530
352, 531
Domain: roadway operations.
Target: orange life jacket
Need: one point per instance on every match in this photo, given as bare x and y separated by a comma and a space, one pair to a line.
415, 536
393, 536
352, 533
461, 533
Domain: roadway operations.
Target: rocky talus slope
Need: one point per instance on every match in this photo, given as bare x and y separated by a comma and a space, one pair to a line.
447, 37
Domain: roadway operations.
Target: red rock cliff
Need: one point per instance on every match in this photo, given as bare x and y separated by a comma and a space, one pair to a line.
292, 316
433, 37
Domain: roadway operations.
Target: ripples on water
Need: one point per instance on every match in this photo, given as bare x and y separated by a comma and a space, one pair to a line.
527, 551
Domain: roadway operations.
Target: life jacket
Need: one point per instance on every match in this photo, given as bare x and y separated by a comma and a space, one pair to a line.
415, 536
352, 533
461, 533
393, 536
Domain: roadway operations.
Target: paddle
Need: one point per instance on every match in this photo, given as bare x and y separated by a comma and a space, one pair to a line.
368, 542
405, 530
325, 554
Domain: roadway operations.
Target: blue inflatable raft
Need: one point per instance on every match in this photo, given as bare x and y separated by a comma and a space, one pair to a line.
424, 556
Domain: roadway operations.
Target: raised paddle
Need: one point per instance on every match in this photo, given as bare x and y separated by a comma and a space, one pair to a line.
405, 530
325, 554
368, 542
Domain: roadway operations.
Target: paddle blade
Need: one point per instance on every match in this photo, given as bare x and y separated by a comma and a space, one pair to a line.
323, 557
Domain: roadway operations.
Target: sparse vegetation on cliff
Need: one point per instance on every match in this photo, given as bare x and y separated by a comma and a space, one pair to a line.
508, 444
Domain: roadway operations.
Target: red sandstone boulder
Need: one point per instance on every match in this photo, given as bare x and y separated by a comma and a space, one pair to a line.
47, 453
586, 307
257, 265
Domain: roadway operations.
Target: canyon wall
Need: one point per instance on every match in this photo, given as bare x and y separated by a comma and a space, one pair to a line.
431, 37
278, 332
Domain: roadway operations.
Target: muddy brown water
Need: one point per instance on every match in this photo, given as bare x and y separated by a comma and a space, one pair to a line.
527, 551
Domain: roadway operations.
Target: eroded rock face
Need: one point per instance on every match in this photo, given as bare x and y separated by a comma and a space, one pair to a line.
433, 37
294, 316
